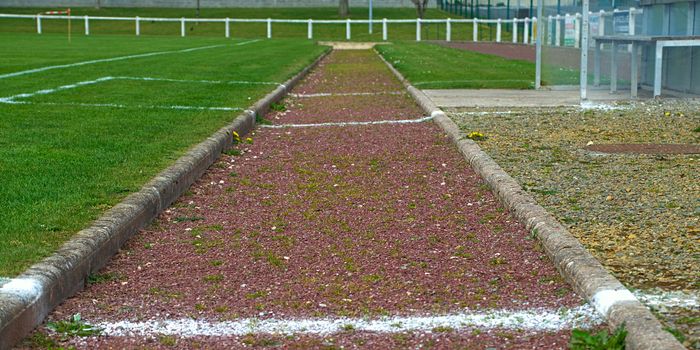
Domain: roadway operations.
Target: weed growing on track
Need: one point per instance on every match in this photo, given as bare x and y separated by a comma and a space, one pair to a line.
603, 340
73, 327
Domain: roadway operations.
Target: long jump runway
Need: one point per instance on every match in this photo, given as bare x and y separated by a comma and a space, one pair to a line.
348, 221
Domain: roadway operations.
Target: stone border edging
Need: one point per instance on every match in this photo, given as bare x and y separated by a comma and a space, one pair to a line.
27, 299
583, 271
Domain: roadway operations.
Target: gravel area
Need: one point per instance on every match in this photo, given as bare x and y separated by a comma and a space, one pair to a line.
637, 213
360, 221
437, 339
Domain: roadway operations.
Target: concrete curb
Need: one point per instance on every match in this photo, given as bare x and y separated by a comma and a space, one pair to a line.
588, 277
26, 300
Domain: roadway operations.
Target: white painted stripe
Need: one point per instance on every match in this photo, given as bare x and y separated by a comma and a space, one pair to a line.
120, 58
482, 113
669, 299
605, 299
25, 288
536, 320
12, 99
376, 122
232, 82
324, 94
473, 81
117, 105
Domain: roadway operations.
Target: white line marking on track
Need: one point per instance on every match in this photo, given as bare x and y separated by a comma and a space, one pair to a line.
325, 94
483, 113
28, 289
668, 299
535, 320
605, 299
120, 58
376, 122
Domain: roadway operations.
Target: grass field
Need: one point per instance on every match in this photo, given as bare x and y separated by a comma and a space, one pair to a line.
251, 30
76, 140
431, 66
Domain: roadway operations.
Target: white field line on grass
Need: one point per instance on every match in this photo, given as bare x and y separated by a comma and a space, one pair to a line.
376, 122
324, 94
119, 58
116, 105
533, 320
230, 82
14, 99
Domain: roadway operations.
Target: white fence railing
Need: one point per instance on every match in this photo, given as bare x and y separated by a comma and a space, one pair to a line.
526, 37
562, 30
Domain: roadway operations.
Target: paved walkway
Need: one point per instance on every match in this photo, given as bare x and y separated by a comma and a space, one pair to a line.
327, 228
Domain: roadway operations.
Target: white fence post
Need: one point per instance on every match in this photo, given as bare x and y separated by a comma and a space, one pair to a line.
498, 30
418, 32
310, 29
38, 24
347, 29
448, 30
535, 28
601, 24
138, 26
550, 40
632, 20
526, 31
87, 25
384, 30
269, 28
515, 31
228, 27
182, 27
475, 30
557, 35
577, 30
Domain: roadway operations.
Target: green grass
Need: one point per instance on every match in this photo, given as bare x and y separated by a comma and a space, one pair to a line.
431, 66
461, 31
62, 166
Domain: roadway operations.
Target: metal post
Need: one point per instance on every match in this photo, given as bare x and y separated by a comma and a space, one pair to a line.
347, 29
138, 26
269, 28
448, 30
87, 25
384, 30
475, 29
182, 27
310, 29
537, 27
370, 16
596, 64
515, 30
228, 27
498, 31
658, 59
613, 67
38, 24
417, 29
584, 49
633, 72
